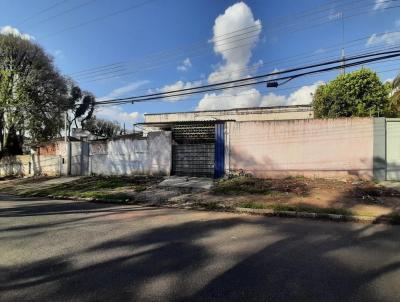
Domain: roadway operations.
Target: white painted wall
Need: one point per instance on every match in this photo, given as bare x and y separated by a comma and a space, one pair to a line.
127, 156
49, 165
15, 165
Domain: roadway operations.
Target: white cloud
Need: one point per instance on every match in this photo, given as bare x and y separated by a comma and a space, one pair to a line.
245, 98
334, 15
185, 65
9, 30
320, 50
178, 86
273, 74
123, 90
236, 55
58, 53
389, 38
253, 98
235, 63
236, 17
381, 4
303, 95
117, 113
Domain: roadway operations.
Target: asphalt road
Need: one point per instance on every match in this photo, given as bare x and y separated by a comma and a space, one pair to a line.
52, 250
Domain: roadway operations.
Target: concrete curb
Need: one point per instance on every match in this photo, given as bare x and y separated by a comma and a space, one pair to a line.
334, 217
260, 212
90, 199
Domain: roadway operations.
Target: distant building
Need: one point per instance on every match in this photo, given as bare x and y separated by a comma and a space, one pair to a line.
296, 112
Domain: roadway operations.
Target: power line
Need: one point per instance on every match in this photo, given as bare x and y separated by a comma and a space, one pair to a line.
119, 74
287, 59
113, 74
257, 28
251, 68
62, 13
98, 18
308, 62
252, 81
42, 11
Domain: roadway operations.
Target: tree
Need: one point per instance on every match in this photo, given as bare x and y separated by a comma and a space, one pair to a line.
82, 106
395, 96
102, 127
359, 93
33, 95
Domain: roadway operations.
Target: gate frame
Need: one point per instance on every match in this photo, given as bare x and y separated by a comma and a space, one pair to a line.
219, 145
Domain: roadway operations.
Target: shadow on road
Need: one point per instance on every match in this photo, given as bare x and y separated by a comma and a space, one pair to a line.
232, 258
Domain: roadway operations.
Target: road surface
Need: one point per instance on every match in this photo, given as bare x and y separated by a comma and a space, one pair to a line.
54, 250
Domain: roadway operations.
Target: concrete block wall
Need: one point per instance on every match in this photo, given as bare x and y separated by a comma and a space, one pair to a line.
313, 148
18, 165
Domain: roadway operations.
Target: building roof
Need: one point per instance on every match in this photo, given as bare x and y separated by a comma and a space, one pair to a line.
241, 109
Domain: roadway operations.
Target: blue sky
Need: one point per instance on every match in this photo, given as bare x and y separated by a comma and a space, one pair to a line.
130, 47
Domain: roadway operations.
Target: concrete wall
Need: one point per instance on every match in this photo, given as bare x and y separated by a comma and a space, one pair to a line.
18, 165
49, 165
150, 155
380, 148
393, 149
76, 158
245, 114
314, 148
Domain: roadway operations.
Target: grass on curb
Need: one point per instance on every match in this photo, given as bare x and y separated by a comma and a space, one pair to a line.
296, 208
250, 185
97, 188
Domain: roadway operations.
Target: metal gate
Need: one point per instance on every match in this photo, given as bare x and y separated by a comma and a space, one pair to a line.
193, 149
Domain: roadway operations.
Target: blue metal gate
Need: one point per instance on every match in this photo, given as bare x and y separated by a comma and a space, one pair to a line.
219, 150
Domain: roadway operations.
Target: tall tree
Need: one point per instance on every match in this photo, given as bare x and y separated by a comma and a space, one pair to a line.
33, 95
359, 93
81, 105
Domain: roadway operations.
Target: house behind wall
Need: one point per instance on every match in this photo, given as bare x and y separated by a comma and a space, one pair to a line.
241, 114
198, 137
341, 148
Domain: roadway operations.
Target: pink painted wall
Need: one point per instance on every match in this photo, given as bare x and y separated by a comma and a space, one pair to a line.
313, 148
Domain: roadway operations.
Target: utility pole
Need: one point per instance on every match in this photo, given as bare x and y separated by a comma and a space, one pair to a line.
343, 69
65, 126
67, 144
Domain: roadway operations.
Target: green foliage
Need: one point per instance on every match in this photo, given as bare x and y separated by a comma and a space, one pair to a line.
102, 127
81, 105
32, 93
34, 96
359, 93
395, 97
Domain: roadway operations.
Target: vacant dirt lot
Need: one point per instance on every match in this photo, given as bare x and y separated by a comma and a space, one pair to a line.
298, 193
